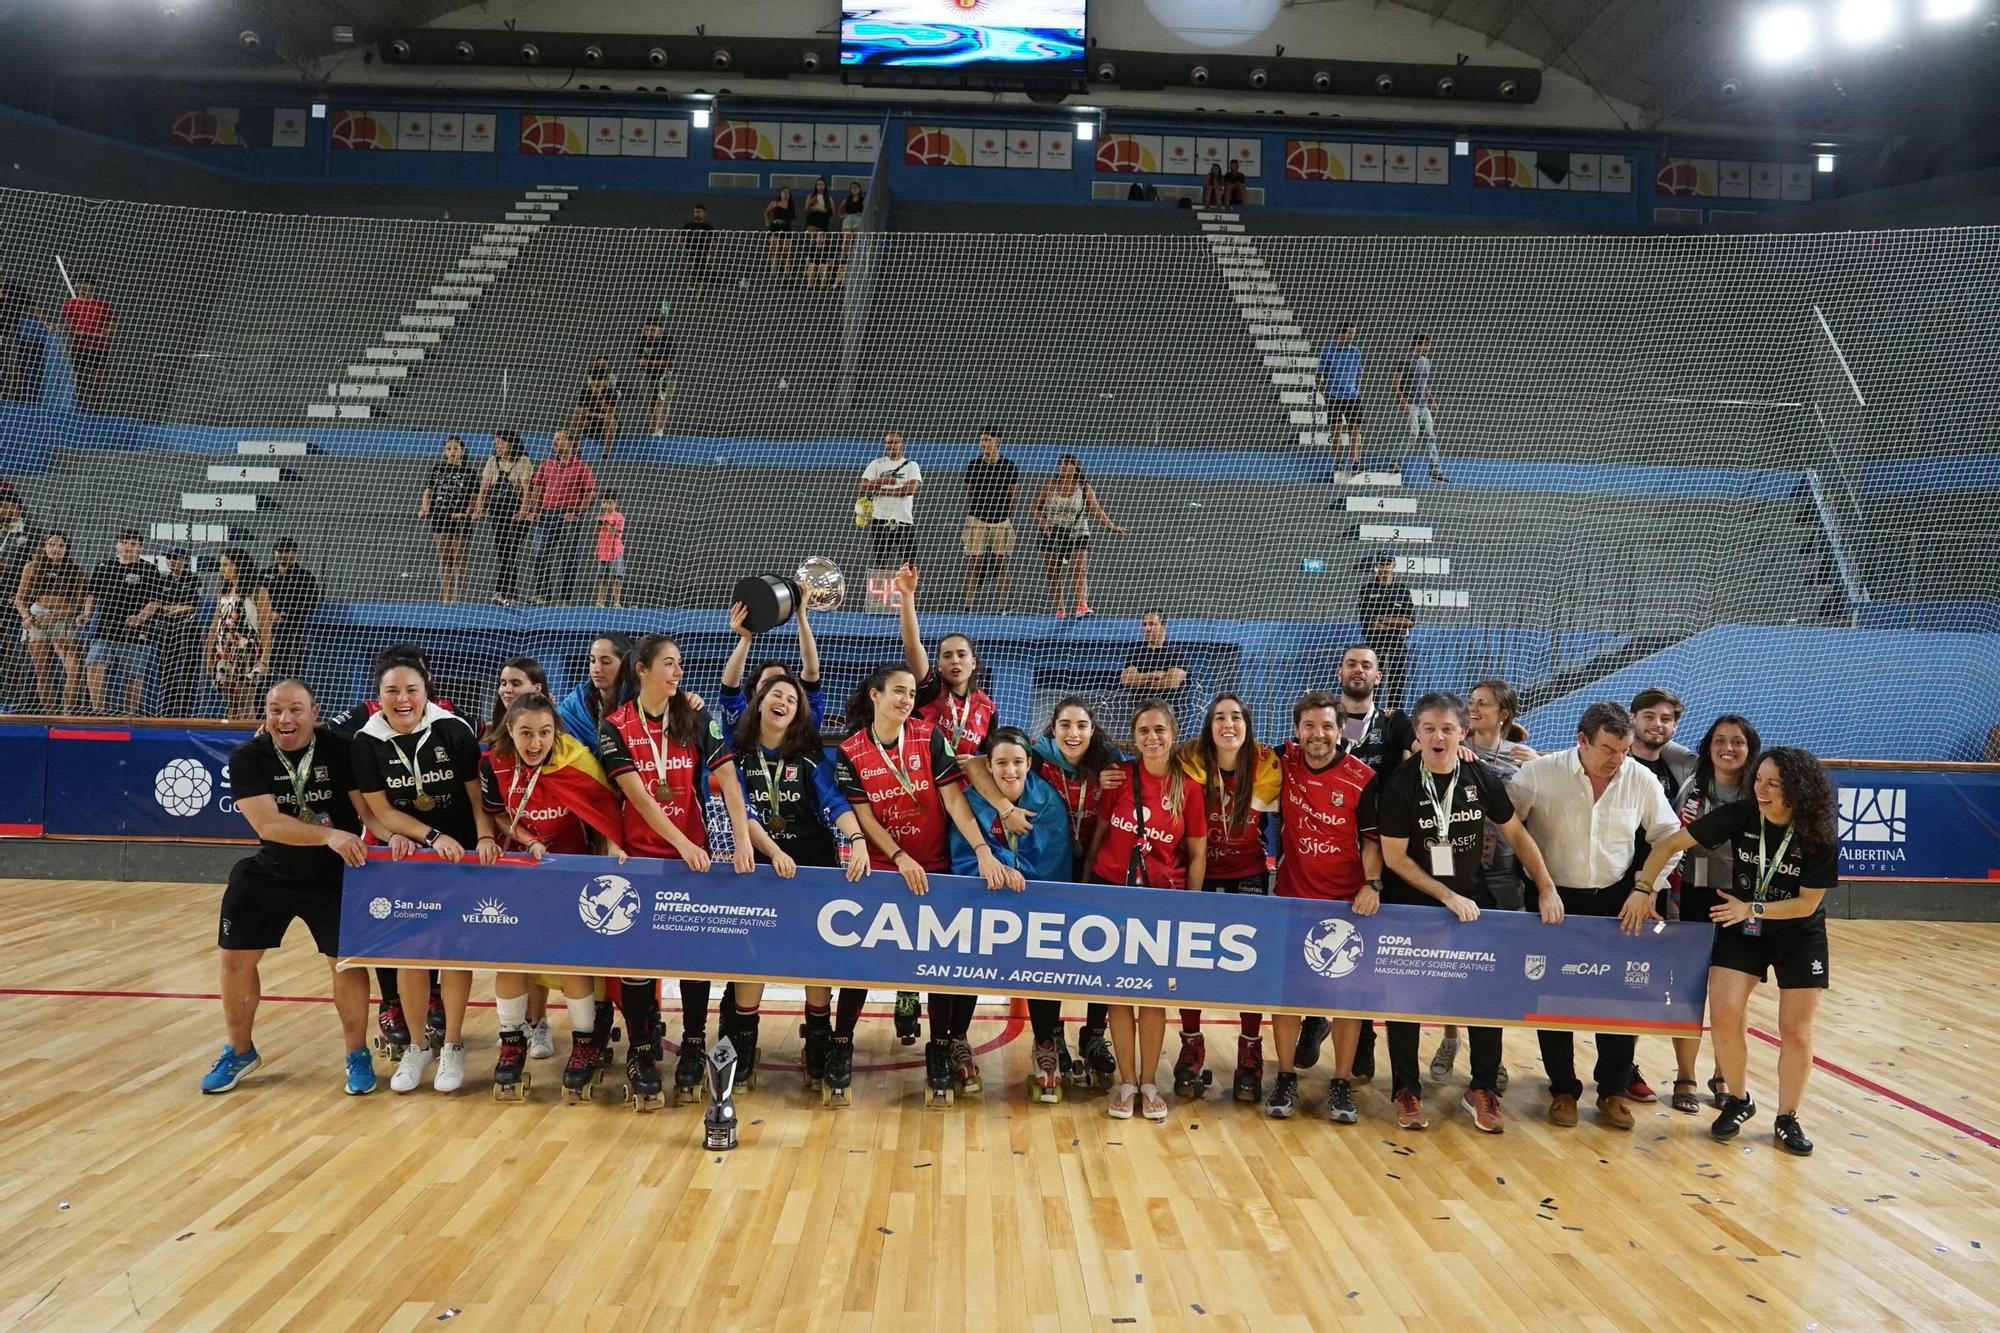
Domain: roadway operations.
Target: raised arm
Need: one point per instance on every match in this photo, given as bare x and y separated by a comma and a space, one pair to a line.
914, 655
734, 665
808, 647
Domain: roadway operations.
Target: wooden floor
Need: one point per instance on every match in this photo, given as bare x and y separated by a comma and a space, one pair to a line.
128, 1200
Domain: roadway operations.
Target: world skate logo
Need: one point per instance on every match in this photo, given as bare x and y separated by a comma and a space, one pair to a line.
490, 912
1334, 948
1872, 814
1535, 966
379, 908
183, 788
608, 904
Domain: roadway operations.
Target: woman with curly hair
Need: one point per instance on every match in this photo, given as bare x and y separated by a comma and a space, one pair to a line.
1771, 918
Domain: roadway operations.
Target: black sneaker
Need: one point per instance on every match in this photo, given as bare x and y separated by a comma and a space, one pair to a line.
1312, 1035
1340, 1102
1790, 1137
1735, 1111
1284, 1098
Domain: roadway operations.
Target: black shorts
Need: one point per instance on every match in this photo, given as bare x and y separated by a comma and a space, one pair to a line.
1061, 544
1796, 957
259, 905
1259, 883
1343, 411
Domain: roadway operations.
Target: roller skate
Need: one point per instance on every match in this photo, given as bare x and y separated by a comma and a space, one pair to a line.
1312, 1035
1249, 1085
718, 1122
1096, 1066
937, 1075
909, 1017
818, 1036
688, 1069
585, 1069
838, 1087
1191, 1077
511, 1079
1045, 1084
392, 1035
964, 1069
642, 1075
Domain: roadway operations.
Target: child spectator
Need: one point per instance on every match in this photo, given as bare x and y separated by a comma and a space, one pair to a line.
610, 551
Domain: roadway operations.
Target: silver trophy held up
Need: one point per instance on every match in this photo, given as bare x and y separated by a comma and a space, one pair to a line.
769, 600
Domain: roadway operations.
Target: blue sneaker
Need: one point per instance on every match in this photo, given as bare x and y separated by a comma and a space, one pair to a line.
229, 1067
360, 1072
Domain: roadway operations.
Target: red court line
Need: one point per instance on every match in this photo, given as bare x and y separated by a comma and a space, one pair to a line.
1862, 1081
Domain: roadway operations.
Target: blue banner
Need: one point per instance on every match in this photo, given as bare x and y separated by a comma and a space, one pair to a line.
112, 780
1081, 942
1919, 823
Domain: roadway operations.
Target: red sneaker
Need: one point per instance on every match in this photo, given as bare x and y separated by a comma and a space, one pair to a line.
1083, 609
1410, 1111
1639, 1090
1484, 1108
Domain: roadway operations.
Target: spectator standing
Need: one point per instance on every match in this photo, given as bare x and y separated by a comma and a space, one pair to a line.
17, 547
1337, 374
124, 594
697, 247
819, 220
1235, 189
656, 365
15, 348
992, 487
449, 494
504, 487
89, 320
1410, 381
562, 493
1064, 508
1656, 716
178, 641
778, 216
1387, 613
295, 596
1155, 670
238, 653
48, 598
610, 550
852, 209
597, 407
888, 490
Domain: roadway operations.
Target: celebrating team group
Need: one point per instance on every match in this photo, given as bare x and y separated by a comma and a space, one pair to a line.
1443, 807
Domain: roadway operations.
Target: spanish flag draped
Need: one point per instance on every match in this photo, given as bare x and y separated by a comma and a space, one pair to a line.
573, 776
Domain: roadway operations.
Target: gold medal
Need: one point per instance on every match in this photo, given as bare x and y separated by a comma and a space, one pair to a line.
663, 791
305, 816
425, 801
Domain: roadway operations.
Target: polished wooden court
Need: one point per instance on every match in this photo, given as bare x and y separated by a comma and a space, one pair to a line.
128, 1200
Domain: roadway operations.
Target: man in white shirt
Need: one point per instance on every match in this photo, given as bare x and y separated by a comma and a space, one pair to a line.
1586, 808
888, 489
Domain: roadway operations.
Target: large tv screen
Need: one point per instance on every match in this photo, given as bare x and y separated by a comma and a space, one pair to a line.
1025, 35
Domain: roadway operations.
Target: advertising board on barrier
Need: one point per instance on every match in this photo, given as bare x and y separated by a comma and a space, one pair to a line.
1089, 942
109, 780
1918, 823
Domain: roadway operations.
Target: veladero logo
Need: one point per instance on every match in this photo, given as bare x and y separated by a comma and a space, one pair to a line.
490, 912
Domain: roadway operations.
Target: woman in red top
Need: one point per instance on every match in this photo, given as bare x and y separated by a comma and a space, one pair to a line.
904, 783
948, 693
1153, 831
658, 750
1241, 781
546, 793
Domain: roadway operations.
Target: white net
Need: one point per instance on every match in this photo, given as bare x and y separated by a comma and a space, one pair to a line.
1696, 459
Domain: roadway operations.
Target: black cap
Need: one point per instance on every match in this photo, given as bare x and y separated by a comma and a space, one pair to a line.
1385, 556
178, 553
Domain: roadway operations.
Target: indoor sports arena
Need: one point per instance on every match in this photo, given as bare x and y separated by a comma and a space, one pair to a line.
999, 664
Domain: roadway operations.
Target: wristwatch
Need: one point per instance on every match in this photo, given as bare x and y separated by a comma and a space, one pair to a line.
1375, 884
1757, 910
430, 837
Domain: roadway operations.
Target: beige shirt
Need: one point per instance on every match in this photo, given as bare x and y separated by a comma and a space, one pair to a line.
1589, 843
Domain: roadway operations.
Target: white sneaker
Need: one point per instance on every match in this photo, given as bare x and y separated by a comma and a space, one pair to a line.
541, 1046
451, 1068
410, 1069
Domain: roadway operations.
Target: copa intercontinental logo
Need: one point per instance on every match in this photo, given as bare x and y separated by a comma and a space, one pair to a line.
608, 904
1334, 948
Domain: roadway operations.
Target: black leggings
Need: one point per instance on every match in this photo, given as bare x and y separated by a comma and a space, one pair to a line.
848, 1010
694, 1010
639, 1001
951, 1016
1045, 1018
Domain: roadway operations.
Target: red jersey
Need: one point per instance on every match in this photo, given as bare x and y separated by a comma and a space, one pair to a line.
964, 721
1164, 864
1079, 793
557, 804
674, 774
902, 782
1319, 855
89, 323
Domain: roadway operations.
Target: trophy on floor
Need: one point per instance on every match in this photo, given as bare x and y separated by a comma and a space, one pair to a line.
771, 599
